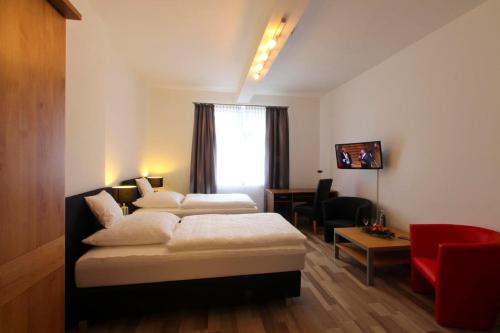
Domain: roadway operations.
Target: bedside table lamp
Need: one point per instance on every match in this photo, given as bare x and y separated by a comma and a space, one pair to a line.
125, 195
155, 181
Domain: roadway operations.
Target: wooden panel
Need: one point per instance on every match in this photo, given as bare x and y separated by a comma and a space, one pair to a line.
21, 273
32, 87
33, 311
32, 68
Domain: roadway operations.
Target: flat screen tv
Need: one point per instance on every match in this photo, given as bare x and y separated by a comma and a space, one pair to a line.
361, 155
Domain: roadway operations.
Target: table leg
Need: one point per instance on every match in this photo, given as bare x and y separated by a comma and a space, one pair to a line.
369, 267
336, 239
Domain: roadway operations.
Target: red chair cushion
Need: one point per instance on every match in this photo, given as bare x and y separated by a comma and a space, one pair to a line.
428, 267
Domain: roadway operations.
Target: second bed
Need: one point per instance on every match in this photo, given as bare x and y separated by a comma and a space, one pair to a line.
196, 204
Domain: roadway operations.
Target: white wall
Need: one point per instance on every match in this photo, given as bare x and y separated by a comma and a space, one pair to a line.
171, 130
105, 108
436, 108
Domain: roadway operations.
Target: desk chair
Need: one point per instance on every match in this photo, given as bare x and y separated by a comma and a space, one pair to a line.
314, 212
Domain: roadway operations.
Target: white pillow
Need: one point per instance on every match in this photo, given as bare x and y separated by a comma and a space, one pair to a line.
144, 186
137, 229
166, 199
105, 208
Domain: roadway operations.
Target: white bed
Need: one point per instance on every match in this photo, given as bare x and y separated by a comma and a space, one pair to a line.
181, 212
202, 246
219, 200
195, 204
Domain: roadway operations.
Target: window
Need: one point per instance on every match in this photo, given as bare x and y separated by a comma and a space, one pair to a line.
240, 135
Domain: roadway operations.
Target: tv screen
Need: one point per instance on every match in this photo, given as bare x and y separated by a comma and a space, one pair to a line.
361, 155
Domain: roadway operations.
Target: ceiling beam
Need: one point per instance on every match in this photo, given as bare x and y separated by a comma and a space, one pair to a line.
291, 12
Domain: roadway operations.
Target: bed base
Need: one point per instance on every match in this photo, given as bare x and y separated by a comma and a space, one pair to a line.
117, 301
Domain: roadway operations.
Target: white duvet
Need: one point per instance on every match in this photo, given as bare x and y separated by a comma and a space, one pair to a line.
227, 200
212, 232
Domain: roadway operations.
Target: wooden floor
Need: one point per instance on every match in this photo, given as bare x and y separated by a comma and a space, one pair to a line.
334, 299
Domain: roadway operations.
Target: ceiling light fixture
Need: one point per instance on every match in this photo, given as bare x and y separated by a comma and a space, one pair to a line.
258, 68
266, 49
263, 57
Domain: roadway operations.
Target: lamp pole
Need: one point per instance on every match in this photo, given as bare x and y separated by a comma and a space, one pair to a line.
376, 207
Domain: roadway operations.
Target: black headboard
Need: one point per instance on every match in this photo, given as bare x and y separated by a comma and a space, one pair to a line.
129, 181
80, 223
131, 207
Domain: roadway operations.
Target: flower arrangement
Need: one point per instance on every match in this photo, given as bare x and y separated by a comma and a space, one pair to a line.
378, 230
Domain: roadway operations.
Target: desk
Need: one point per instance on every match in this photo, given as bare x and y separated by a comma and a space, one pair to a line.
283, 201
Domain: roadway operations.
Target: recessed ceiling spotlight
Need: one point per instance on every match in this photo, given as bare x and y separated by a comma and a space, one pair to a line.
256, 76
263, 57
258, 67
263, 48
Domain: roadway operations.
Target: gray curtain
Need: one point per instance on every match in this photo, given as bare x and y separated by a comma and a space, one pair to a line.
202, 176
277, 151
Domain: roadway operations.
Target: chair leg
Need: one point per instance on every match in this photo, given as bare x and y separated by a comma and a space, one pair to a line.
315, 227
296, 219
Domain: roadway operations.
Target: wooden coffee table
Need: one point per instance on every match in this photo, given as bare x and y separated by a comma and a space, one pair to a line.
372, 251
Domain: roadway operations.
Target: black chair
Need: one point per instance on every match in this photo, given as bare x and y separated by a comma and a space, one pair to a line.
314, 212
344, 212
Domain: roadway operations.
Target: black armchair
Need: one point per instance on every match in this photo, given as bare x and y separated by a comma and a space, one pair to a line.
344, 212
314, 212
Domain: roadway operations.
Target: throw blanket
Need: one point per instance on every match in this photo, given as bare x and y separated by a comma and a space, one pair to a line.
230, 200
213, 232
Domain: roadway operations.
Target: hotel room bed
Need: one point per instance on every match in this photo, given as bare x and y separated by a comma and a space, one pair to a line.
190, 270
181, 212
202, 246
198, 203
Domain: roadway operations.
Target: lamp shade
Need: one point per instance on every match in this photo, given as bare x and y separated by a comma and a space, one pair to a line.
156, 181
125, 193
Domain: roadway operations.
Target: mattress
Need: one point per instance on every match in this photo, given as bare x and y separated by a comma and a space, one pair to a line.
217, 201
122, 265
181, 212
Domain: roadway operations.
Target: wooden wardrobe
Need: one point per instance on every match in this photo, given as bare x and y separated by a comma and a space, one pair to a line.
32, 89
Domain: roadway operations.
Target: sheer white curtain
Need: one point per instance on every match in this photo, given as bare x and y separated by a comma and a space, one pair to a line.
240, 132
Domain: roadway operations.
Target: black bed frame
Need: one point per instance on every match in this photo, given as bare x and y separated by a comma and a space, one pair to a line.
130, 182
93, 303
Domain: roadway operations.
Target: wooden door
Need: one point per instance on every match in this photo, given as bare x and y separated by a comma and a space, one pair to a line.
32, 90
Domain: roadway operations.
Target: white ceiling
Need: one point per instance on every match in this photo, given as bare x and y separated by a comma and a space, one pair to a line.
201, 44
336, 40
187, 43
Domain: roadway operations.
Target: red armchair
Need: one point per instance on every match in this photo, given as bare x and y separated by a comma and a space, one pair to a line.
462, 265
